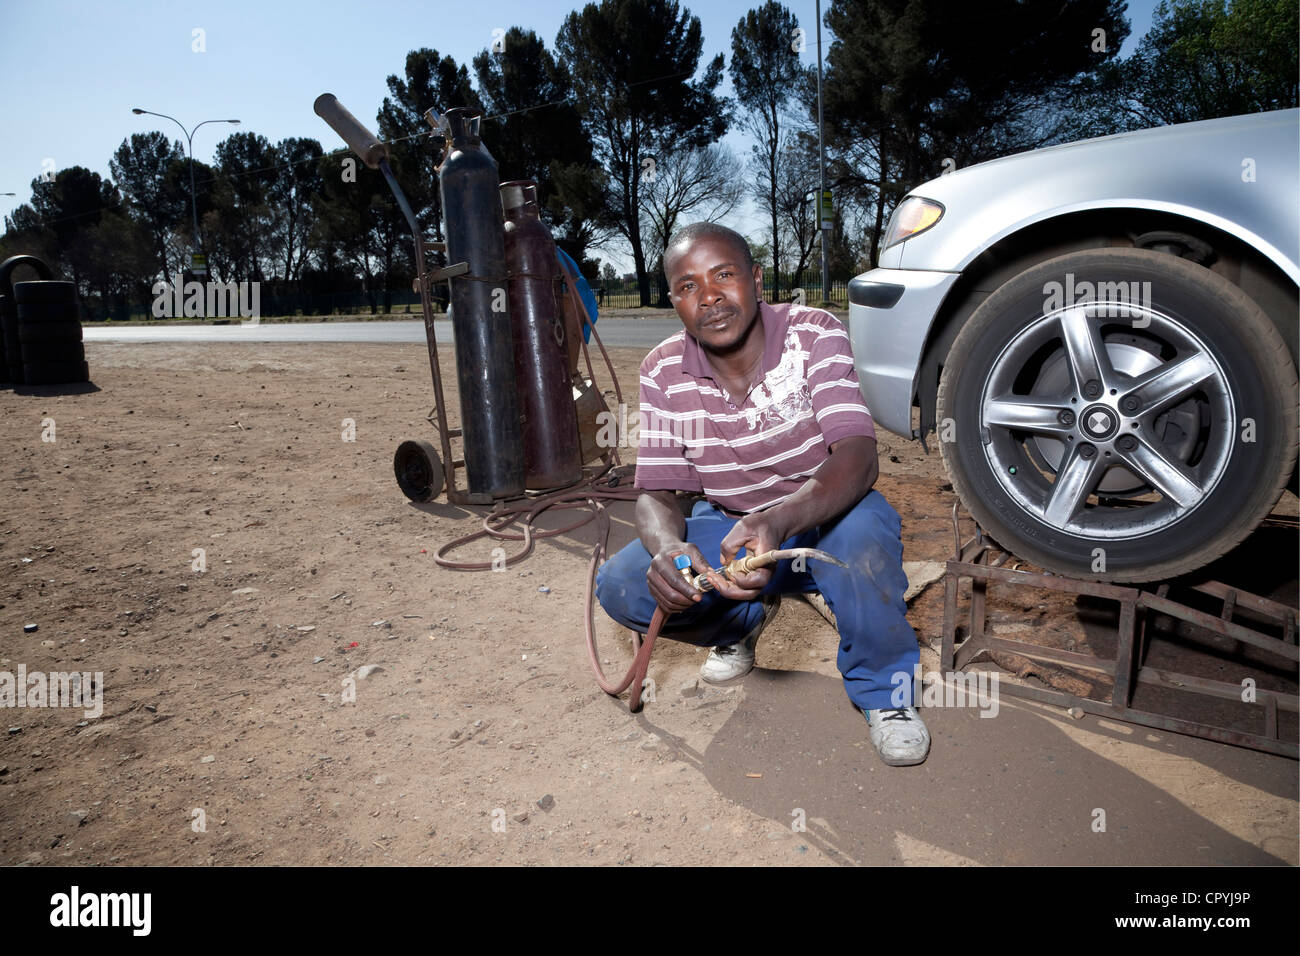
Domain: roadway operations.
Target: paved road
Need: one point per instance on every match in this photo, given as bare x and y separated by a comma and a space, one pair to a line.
622, 333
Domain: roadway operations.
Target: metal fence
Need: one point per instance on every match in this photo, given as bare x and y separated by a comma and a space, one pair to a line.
615, 295
624, 295
305, 305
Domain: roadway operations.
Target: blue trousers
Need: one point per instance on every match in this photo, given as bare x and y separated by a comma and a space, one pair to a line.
876, 642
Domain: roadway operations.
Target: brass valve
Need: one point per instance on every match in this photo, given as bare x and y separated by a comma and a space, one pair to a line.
751, 562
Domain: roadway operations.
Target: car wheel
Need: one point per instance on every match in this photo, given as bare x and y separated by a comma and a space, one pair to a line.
1118, 414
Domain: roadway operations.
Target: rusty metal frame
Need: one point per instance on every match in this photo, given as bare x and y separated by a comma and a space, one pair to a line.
438, 416
981, 561
424, 281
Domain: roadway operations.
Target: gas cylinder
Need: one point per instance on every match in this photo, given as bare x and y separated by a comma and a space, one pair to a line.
489, 404
552, 453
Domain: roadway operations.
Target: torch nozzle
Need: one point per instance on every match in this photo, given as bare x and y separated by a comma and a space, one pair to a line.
752, 562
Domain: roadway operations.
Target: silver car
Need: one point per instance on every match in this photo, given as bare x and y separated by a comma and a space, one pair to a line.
1104, 337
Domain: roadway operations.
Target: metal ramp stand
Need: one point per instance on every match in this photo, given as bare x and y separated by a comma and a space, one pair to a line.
981, 560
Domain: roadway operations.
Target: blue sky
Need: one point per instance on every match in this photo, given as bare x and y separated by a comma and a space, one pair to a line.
72, 71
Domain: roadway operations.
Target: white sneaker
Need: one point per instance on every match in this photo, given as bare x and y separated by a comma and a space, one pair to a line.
737, 660
899, 735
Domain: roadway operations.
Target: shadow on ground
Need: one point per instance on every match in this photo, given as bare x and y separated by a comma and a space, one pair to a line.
1012, 789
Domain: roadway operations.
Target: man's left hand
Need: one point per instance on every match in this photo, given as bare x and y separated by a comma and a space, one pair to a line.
757, 534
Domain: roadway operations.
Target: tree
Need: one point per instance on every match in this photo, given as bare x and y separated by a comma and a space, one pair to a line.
430, 81
583, 195
26, 234
632, 63
534, 132
764, 68
114, 257
355, 232
796, 183
528, 117
689, 185
246, 164
920, 86
1203, 59
338, 232
149, 171
209, 185
292, 195
71, 206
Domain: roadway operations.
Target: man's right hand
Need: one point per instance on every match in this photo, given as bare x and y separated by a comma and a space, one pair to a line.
668, 586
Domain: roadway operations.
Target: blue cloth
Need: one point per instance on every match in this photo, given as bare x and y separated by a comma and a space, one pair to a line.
876, 642
584, 291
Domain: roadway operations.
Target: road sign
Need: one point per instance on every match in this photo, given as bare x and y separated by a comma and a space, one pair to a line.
199, 264
827, 210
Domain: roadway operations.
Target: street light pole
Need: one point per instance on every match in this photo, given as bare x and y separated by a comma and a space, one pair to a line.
189, 141
811, 197
821, 162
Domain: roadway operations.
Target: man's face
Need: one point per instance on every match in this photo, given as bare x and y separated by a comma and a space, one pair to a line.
714, 292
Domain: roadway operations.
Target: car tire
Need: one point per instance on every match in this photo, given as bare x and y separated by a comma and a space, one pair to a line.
38, 312
43, 291
60, 354
1131, 438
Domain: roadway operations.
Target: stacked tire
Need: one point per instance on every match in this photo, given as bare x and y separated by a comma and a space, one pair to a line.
7, 321
49, 334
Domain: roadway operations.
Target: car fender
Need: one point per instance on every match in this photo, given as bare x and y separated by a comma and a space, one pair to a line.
1237, 174
918, 260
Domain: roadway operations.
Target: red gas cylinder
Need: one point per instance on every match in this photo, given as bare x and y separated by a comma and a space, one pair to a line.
552, 448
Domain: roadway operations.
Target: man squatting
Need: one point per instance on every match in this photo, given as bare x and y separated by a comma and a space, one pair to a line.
757, 408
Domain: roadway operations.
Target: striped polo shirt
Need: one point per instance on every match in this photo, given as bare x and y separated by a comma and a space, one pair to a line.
749, 453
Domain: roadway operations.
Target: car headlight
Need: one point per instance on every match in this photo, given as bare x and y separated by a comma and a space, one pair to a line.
911, 217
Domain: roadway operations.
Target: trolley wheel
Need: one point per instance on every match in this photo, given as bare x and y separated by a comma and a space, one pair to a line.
419, 470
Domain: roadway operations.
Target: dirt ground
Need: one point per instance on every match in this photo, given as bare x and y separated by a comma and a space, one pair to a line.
228, 735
